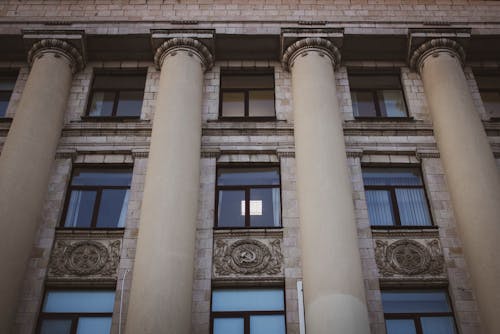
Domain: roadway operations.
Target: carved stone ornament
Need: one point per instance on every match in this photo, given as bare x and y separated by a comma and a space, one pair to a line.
302, 46
433, 47
192, 46
247, 257
59, 47
85, 258
409, 258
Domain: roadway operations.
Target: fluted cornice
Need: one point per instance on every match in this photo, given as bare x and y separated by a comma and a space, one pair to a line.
434, 46
53, 45
187, 44
310, 44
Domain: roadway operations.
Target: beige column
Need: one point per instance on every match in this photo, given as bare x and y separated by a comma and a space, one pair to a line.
471, 173
26, 161
160, 300
333, 283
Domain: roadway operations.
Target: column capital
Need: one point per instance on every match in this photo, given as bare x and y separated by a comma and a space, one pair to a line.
60, 47
432, 48
192, 46
321, 45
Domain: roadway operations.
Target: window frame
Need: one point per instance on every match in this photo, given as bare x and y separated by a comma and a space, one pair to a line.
246, 72
139, 72
483, 73
14, 73
246, 189
416, 316
98, 189
374, 92
392, 191
73, 316
245, 314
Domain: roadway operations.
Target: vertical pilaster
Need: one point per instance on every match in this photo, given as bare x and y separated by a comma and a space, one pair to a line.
333, 282
26, 160
161, 293
471, 172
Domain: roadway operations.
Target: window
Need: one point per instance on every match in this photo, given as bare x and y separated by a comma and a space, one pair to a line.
97, 198
377, 95
76, 312
248, 197
248, 311
247, 95
7, 83
489, 88
418, 312
395, 197
117, 94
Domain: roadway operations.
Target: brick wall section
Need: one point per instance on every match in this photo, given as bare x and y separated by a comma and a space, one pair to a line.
460, 290
33, 284
337, 10
204, 248
18, 88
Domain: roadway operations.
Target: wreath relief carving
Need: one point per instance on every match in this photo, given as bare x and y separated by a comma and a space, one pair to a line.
409, 258
247, 257
84, 258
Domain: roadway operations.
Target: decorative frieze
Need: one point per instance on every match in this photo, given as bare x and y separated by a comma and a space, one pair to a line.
247, 257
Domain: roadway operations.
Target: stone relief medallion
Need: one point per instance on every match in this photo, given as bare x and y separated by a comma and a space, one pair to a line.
247, 257
409, 258
84, 258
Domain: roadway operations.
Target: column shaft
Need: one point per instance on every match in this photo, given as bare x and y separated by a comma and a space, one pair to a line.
163, 269
333, 282
25, 164
472, 176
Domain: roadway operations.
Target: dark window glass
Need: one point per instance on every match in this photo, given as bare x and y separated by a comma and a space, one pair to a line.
7, 83
377, 95
489, 88
117, 94
76, 312
248, 197
247, 95
97, 198
248, 311
419, 312
395, 196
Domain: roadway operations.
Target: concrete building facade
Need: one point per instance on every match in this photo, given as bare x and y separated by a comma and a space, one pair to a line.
249, 166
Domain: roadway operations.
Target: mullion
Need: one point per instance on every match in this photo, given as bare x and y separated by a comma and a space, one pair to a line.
395, 207
378, 111
115, 103
97, 205
247, 207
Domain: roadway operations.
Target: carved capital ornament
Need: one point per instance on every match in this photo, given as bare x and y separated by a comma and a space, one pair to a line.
190, 45
59, 48
432, 48
323, 46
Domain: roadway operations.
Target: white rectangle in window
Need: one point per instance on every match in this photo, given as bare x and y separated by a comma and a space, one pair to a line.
255, 208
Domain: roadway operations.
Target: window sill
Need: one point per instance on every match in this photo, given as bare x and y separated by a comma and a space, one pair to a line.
245, 119
404, 231
90, 232
111, 119
276, 232
5, 119
399, 227
385, 119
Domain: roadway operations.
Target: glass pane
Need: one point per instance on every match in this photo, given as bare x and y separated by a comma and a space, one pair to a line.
413, 209
7, 82
113, 208
265, 207
392, 103
491, 102
229, 326
363, 104
102, 104
55, 326
248, 300
229, 211
4, 102
391, 177
130, 103
415, 302
380, 210
261, 103
248, 81
101, 177
266, 324
248, 176
233, 104
79, 301
438, 325
94, 325
80, 208
119, 81
400, 326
